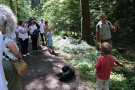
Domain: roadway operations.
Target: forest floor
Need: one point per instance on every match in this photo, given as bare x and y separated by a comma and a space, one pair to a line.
43, 66
42, 69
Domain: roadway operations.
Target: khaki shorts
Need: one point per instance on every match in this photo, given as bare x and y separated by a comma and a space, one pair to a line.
102, 84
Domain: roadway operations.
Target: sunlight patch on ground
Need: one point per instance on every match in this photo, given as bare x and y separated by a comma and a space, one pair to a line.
52, 82
60, 65
57, 66
50, 60
66, 87
35, 85
57, 69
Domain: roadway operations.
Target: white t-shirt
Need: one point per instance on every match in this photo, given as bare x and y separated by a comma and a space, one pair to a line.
3, 82
17, 28
41, 27
23, 36
33, 28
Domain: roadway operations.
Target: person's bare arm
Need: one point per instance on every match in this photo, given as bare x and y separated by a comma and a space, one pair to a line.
114, 27
47, 37
45, 28
23, 32
13, 49
28, 29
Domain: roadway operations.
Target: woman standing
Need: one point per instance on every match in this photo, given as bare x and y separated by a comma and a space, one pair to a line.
8, 23
23, 37
34, 34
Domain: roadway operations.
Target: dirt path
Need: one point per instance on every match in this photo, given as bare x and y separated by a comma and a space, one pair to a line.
42, 69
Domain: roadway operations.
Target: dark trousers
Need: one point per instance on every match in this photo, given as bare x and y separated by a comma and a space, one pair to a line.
42, 37
24, 45
34, 42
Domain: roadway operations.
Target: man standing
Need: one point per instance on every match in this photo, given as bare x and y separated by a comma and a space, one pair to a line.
103, 29
41, 24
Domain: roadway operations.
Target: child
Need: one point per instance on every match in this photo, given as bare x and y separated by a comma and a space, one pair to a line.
46, 29
49, 41
104, 66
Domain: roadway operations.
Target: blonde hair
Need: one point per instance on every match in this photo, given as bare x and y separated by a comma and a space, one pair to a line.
8, 21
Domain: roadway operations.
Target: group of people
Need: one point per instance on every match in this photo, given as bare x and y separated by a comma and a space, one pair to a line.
9, 31
35, 31
10, 51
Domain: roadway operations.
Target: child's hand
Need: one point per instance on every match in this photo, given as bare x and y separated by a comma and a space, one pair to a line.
95, 72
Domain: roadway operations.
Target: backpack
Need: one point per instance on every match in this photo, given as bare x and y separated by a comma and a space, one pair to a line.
107, 23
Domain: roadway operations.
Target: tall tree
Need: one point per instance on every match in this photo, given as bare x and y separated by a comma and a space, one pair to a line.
34, 3
11, 4
85, 20
17, 10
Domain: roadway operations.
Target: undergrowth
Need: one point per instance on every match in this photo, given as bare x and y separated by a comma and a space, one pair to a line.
85, 56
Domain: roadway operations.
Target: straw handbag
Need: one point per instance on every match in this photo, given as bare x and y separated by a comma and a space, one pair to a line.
20, 66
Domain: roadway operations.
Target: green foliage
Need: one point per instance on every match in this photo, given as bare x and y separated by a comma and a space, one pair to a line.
23, 9
20, 7
99, 6
119, 82
71, 45
38, 11
132, 82
25, 12
63, 14
64, 33
121, 78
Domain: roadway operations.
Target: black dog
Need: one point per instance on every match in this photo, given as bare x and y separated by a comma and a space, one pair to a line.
68, 73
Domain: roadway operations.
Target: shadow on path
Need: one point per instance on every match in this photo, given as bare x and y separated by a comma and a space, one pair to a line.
42, 69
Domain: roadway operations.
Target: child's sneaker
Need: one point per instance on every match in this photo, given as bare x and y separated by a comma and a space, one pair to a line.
53, 51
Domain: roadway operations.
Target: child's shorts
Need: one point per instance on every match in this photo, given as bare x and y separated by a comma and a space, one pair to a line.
49, 43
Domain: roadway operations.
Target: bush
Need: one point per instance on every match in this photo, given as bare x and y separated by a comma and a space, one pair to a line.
71, 45
84, 61
63, 15
119, 82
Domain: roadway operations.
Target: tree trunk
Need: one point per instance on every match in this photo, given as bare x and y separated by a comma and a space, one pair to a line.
85, 20
11, 4
17, 10
32, 3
